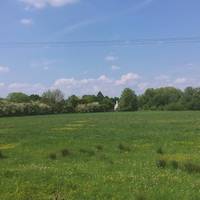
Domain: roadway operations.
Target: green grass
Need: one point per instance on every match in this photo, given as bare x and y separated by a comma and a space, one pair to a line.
100, 156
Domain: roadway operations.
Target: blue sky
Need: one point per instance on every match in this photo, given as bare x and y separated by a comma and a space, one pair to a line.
79, 70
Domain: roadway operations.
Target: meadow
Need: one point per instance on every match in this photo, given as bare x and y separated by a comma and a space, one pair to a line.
138, 155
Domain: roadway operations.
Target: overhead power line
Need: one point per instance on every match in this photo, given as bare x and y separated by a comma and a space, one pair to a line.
102, 43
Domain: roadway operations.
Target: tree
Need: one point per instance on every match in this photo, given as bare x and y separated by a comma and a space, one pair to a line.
34, 97
191, 98
18, 97
100, 96
128, 100
71, 103
55, 99
52, 96
166, 98
88, 99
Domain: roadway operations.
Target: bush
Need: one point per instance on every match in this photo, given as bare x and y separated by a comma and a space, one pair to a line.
89, 107
19, 109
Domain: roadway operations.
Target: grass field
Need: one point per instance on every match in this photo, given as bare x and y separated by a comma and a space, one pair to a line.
101, 156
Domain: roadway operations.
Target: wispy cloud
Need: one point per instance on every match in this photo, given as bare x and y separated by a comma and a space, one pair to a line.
88, 22
4, 69
26, 21
111, 58
39, 4
115, 67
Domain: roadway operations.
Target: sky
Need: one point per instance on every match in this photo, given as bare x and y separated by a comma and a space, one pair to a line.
88, 69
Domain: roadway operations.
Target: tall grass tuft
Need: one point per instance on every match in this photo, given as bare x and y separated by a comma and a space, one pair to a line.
65, 152
52, 156
160, 151
99, 147
174, 164
161, 163
87, 151
192, 168
123, 147
1, 155
140, 196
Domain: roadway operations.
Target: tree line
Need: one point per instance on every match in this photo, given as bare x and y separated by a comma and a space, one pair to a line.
53, 101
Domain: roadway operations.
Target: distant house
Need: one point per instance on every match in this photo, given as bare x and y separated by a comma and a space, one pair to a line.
116, 106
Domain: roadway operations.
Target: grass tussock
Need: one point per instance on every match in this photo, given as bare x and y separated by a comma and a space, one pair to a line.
161, 163
87, 151
160, 151
2, 156
53, 156
124, 148
191, 167
99, 147
65, 152
174, 164
140, 196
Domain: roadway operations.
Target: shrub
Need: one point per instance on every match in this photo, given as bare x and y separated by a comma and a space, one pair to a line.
52, 156
161, 163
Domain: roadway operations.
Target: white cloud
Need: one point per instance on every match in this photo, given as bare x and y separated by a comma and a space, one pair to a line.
4, 69
26, 87
127, 79
111, 58
162, 78
180, 80
26, 21
103, 83
2, 84
39, 4
115, 67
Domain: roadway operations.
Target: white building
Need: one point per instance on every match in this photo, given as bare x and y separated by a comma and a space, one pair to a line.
116, 106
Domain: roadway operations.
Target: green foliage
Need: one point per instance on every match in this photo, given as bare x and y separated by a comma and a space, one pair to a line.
52, 101
191, 98
71, 104
167, 98
18, 97
90, 107
128, 100
52, 97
